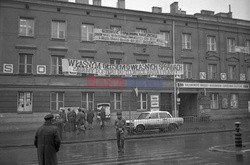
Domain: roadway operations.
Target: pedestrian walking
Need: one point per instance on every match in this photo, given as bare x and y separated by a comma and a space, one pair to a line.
103, 117
63, 117
47, 142
120, 124
59, 124
71, 119
80, 121
90, 116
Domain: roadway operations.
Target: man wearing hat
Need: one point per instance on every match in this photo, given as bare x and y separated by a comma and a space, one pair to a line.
47, 142
120, 124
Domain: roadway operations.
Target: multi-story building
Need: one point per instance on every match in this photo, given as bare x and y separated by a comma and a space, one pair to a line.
36, 35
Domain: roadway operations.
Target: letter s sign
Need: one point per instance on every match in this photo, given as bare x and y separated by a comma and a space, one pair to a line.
7, 68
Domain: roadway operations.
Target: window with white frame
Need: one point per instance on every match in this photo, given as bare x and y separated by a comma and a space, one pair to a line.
166, 37
248, 46
87, 32
87, 101
232, 72
142, 101
56, 64
188, 70
58, 29
211, 43
186, 41
25, 100
214, 101
231, 45
141, 30
233, 101
25, 63
116, 100
56, 100
248, 73
212, 71
115, 61
26, 27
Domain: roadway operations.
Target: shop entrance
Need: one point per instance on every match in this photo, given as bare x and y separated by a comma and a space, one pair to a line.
188, 104
165, 102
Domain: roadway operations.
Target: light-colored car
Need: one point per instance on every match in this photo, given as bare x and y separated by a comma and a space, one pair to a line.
162, 120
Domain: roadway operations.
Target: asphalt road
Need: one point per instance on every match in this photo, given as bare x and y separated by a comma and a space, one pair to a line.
191, 149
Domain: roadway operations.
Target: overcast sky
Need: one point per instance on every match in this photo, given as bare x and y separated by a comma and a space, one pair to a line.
240, 8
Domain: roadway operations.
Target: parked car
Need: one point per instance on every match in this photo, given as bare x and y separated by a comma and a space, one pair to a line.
162, 120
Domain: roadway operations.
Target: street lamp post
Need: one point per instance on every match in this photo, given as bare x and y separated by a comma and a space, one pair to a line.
173, 46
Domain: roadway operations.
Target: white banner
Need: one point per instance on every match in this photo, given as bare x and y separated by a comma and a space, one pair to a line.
242, 49
73, 66
212, 85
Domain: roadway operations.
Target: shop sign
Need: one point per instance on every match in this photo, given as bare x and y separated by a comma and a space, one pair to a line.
129, 37
41, 69
7, 68
242, 49
223, 76
202, 75
154, 101
213, 85
70, 66
242, 77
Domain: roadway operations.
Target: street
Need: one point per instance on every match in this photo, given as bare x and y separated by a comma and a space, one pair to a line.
178, 150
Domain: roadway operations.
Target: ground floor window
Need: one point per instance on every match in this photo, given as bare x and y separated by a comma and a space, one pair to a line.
116, 100
234, 101
56, 100
24, 102
214, 101
87, 100
142, 101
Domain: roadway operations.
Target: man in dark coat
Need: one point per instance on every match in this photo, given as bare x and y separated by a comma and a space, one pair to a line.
103, 117
47, 142
90, 116
71, 119
64, 119
120, 124
80, 121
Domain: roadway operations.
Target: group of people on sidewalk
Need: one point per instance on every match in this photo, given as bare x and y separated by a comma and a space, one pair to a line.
48, 140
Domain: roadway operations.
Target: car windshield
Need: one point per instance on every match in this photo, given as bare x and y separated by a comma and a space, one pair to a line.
143, 116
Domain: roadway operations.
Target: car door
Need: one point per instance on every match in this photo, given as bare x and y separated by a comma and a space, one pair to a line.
153, 121
164, 119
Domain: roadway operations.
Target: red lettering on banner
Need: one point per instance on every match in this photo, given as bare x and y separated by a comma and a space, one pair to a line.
119, 82
90, 82
100, 83
109, 82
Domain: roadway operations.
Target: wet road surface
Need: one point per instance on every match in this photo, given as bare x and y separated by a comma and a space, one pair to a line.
192, 149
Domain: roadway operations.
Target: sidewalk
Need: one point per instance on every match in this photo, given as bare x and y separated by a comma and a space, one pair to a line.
22, 136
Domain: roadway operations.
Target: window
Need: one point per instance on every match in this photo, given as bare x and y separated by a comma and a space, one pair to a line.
88, 100
58, 29
188, 69
164, 115
142, 101
233, 101
24, 102
140, 30
248, 46
116, 100
186, 41
26, 27
214, 101
56, 100
248, 73
87, 32
211, 43
231, 45
56, 64
25, 63
117, 29
231, 72
141, 61
153, 116
166, 37
212, 71
115, 61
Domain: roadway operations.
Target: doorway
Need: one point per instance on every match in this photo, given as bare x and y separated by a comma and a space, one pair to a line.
188, 104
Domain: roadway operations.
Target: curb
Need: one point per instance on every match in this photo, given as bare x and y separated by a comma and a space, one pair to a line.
239, 151
132, 137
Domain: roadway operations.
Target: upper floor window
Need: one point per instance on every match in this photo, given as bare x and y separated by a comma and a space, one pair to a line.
214, 101
188, 69
141, 30
248, 46
56, 65
232, 72
56, 100
117, 29
248, 73
87, 100
166, 37
116, 100
142, 101
26, 27
231, 45
58, 30
212, 71
115, 61
211, 43
25, 63
186, 41
87, 32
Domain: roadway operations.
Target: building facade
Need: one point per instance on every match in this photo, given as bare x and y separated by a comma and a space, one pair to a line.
37, 35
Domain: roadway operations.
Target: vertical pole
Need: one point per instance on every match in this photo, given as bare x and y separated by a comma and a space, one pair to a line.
173, 45
130, 127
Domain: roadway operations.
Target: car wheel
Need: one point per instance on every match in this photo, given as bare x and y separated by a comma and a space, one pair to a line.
140, 129
172, 127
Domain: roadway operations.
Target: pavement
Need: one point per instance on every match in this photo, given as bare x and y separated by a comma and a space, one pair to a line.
22, 134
